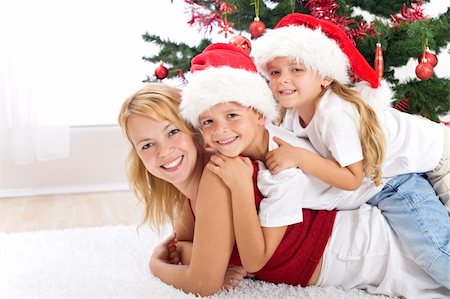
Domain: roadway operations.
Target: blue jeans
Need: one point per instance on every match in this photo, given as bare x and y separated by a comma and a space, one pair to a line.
420, 221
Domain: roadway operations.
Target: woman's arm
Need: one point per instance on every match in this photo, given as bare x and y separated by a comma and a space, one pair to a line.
212, 247
184, 226
328, 171
256, 244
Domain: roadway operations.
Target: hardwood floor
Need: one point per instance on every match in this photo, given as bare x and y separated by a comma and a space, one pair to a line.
69, 211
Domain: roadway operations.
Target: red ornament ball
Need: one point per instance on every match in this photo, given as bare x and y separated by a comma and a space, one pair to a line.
424, 71
257, 28
161, 72
430, 58
242, 43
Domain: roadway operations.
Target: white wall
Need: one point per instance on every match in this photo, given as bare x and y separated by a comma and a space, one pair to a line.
96, 163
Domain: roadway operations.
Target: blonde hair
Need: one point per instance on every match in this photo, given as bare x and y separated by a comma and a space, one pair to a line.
371, 135
163, 201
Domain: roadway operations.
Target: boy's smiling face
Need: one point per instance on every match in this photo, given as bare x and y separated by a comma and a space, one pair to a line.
230, 128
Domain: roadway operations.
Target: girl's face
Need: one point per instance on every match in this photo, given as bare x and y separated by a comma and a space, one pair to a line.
166, 152
231, 128
294, 85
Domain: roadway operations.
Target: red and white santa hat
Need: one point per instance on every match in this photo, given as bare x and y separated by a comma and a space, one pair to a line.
323, 47
223, 73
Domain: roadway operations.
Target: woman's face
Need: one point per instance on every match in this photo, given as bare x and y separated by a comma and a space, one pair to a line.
166, 152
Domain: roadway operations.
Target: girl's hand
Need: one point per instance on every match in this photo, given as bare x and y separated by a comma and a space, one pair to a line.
233, 276
232, 171
286, 156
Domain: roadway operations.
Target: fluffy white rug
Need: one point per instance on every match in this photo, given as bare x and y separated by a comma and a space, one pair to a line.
108, 263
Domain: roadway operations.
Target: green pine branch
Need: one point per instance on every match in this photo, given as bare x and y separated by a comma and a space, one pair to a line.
174, 55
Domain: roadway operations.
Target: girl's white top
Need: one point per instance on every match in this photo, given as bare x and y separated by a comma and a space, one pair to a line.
291, 190
414, 143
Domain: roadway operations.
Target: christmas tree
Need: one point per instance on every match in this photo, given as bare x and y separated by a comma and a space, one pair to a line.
398, 31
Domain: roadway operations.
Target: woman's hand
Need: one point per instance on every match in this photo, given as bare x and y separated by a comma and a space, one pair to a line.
174, 255
167, 251
233, 276
232, 171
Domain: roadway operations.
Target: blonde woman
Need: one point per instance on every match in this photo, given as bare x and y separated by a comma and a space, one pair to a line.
166, 162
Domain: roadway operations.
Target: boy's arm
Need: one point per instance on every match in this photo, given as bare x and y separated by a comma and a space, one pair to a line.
256, 245
328, 171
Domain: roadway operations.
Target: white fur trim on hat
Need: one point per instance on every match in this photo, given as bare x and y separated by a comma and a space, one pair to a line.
378, 98
310, 47
217, 85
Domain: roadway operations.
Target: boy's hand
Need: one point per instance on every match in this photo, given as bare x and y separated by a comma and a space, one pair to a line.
286, 156
232, 171
233, 276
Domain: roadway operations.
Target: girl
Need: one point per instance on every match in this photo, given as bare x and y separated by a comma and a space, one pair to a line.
233, 122
307, 72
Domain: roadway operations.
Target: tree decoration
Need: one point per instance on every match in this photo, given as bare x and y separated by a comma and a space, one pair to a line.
208, 14
257, 27
428, 57
424, 70
225, 25
327, 10
161, 72
412, 13
180, 73
402, 105
241, 42
379, 62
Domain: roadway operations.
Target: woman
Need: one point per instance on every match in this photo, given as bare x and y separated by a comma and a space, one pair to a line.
167, 183
167, 149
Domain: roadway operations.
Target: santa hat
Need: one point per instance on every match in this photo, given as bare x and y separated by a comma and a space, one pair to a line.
323, 47
223, 73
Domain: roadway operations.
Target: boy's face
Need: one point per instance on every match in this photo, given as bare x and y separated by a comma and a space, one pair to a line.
231, 128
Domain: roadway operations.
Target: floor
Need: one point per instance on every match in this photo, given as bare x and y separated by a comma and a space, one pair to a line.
69, 211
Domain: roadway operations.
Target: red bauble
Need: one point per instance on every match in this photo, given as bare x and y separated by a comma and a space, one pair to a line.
242, 43
430, 58
257, 28
424, 71
161, 72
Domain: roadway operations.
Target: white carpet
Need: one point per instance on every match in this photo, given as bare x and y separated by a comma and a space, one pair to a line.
108, 263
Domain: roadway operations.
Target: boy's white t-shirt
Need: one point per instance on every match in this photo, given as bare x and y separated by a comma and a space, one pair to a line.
291, 190
414, 144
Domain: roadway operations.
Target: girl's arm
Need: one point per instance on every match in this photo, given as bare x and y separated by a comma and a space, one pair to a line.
212, 246
256, 244
328, 171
